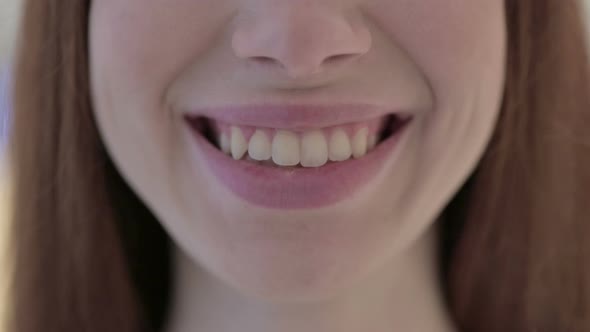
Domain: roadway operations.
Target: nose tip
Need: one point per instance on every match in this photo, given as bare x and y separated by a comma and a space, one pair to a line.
300, 43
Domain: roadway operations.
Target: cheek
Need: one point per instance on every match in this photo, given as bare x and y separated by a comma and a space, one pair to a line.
459, 46
450, 41
139, 46
137, 49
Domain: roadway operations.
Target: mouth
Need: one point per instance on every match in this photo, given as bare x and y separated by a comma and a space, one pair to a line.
282, 175
295, 160
298, 148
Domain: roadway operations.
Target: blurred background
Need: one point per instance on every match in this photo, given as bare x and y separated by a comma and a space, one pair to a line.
9, 14
9, 17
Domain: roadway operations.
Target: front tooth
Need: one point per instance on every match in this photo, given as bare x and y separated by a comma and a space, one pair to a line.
359, 143
339, 146
314, 149
259, 147
239, 146
285, 148
224, 143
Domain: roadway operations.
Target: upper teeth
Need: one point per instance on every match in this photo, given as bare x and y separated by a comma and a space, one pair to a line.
314, 149
238, 146
259, 147
287, 148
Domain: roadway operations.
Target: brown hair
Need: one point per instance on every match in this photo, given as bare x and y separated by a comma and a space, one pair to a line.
89, 255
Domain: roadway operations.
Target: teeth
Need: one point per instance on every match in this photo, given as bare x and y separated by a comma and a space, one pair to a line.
259, 147
239, 146
372, 142
314, 149
359, 143
340, 149
224, 143
285, 148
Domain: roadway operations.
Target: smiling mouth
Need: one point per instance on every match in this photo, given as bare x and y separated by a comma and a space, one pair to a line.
298, 148
277, 158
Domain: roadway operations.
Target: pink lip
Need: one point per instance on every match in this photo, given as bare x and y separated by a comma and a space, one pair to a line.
292, 187
294, 117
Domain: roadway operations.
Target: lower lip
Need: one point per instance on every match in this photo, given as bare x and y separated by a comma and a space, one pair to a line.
296, 187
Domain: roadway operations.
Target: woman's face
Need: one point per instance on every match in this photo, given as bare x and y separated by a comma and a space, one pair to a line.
267, 135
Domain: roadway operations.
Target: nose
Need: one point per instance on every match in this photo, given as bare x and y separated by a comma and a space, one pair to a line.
299, 38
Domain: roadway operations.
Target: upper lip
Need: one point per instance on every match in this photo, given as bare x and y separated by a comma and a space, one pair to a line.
295, 116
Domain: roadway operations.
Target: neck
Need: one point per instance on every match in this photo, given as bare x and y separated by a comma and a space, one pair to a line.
404, 295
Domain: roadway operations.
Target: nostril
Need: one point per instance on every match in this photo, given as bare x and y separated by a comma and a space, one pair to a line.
340, 57
263, 59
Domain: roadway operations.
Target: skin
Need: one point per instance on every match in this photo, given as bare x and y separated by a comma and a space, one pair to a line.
368, 263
